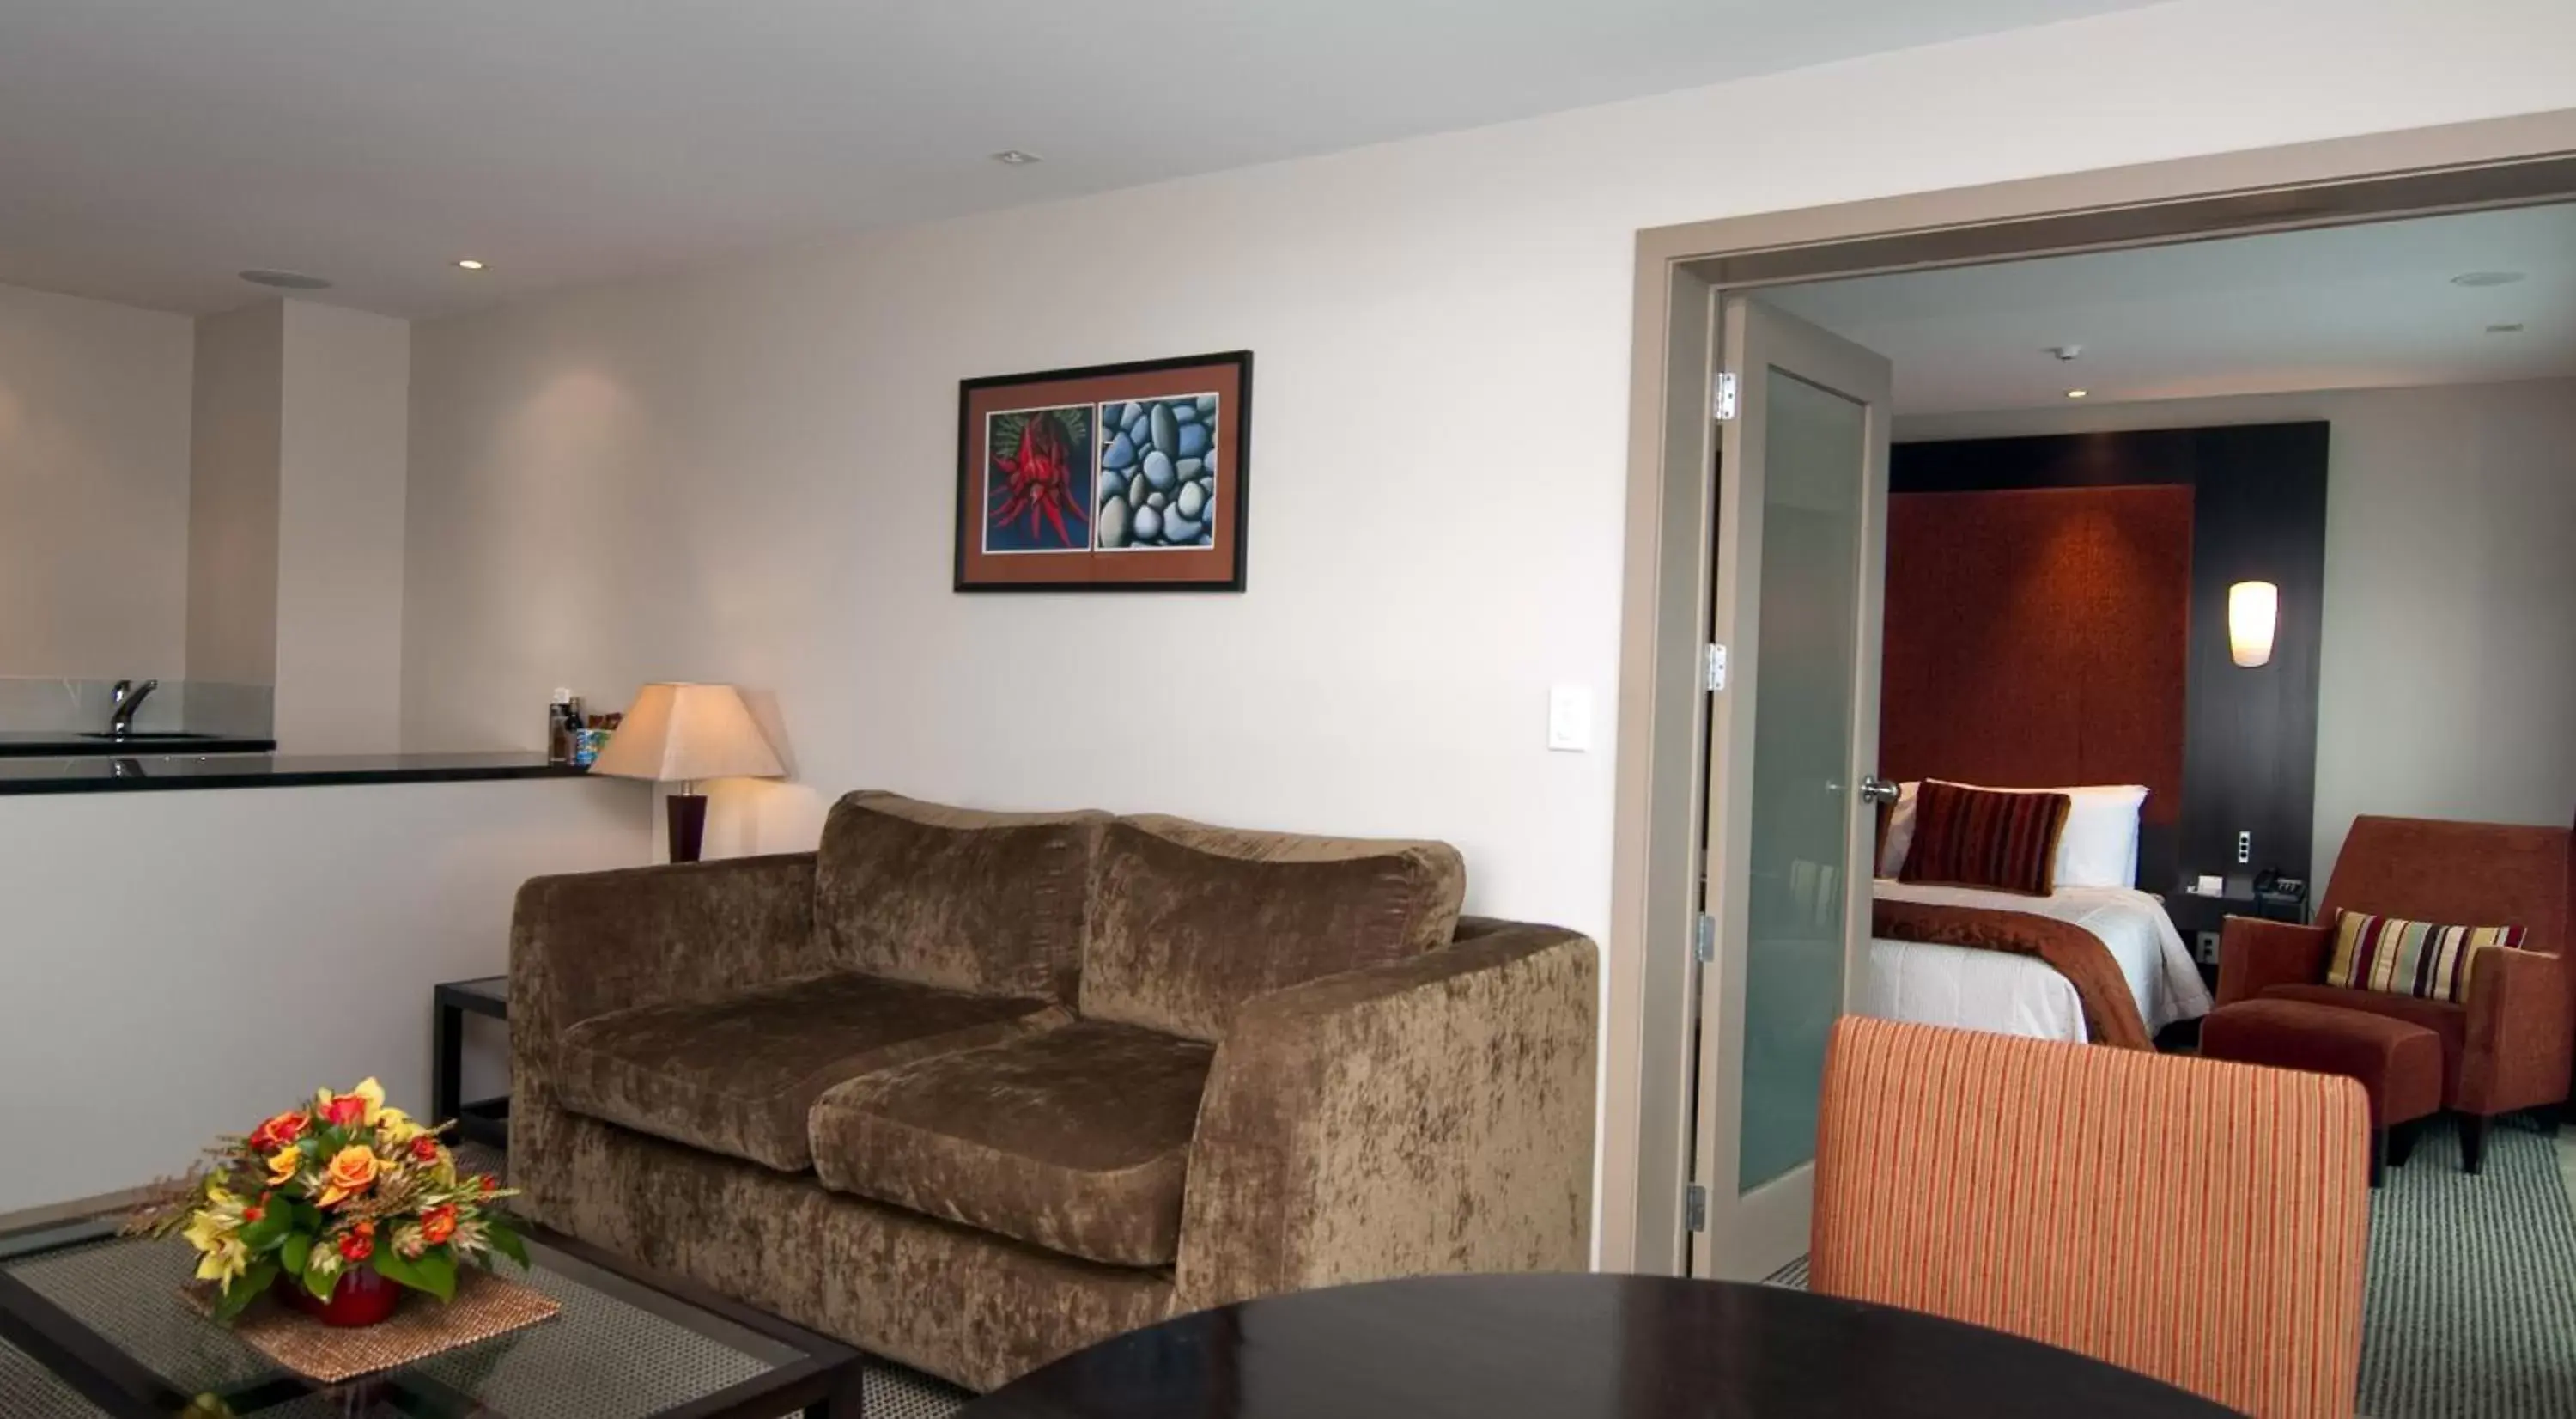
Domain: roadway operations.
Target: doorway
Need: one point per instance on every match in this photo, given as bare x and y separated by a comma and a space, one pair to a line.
1687, 768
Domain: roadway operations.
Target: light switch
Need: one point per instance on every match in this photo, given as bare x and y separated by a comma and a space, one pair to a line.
1569, 719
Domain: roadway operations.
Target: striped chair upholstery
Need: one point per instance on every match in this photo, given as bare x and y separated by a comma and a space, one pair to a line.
2196, 1221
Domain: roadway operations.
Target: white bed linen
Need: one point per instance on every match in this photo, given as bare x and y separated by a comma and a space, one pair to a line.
1971, 989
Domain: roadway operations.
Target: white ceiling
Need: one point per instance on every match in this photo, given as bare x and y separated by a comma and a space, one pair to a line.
150, 149
2339, 308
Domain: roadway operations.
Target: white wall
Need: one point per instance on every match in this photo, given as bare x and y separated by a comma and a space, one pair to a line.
344, 400
195, 960
2447, 682
232, 521
745, 474
93, 488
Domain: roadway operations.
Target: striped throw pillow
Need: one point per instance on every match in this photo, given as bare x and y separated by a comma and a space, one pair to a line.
2416, 958
1968, 837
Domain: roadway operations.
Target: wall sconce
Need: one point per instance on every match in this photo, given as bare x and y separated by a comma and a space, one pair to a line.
2253, 611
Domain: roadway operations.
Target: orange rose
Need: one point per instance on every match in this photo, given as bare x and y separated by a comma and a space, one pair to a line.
438, 1223
351, 1170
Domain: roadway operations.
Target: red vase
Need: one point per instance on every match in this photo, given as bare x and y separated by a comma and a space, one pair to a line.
361, 1297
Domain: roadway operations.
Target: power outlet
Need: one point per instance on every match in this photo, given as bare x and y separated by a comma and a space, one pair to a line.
2204, 947
2244, 848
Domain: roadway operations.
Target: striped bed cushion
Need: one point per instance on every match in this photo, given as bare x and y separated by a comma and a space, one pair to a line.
1970, 837
2417, 958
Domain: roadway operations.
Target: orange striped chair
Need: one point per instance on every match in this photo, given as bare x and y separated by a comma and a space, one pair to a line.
2196, 1221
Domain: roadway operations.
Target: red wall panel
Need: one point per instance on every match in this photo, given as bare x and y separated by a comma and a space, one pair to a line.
2039, 636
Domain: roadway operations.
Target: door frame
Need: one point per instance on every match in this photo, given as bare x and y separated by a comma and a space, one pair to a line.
1645, 1134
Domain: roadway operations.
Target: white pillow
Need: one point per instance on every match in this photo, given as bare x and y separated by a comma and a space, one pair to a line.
2098, 849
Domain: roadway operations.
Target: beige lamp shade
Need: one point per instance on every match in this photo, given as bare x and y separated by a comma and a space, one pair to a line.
2253, 613
681, 733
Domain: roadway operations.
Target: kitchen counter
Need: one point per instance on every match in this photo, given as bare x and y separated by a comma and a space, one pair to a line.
111, 773
61, 743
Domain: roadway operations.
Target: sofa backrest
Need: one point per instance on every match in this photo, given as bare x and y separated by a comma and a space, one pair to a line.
1190, 921
2455, 874
990, 903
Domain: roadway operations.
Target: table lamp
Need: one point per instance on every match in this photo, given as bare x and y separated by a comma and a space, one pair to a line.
681, 733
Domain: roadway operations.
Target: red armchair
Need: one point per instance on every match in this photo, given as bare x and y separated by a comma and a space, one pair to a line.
2508, 1046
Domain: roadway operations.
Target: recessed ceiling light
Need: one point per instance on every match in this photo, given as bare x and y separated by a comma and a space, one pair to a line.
2510, 328
2476, 279
2077, 393
1015, 158
286, 280
2066, 352
468, 263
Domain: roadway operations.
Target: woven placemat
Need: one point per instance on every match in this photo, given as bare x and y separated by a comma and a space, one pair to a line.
485, 1306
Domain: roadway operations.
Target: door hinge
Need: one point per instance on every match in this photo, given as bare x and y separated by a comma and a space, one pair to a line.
1721, 396
1715, 666
1694, 1208
1704, 938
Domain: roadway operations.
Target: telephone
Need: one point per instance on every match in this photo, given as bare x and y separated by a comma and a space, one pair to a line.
2270, 883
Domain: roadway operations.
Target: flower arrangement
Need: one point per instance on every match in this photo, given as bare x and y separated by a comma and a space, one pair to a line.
322, 1194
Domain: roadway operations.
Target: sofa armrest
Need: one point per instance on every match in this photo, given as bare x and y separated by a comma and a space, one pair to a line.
2255, 954
585, 944
1431, 1115
2519, 1032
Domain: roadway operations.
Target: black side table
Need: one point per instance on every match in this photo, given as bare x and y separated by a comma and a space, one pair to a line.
484, 1121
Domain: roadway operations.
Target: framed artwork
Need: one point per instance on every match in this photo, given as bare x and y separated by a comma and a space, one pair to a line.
1110, 478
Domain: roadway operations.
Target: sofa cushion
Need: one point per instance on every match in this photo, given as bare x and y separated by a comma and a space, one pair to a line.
2418, 958
736, 1075
1075, 1140
1190, 921
989, 903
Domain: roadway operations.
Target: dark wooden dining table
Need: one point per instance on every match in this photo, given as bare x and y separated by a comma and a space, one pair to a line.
1576, 1347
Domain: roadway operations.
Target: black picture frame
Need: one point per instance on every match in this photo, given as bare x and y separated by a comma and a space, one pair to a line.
987, 512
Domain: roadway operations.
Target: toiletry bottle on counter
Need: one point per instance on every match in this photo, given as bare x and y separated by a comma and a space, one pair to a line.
563, 727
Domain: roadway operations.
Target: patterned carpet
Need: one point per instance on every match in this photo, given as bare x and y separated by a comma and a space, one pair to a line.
2472, 1299
2471, 1310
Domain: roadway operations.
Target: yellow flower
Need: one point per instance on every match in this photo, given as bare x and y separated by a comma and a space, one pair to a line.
396, 1125
224, 1261
207, 1231
351, 1170
374, 1093
282, 1166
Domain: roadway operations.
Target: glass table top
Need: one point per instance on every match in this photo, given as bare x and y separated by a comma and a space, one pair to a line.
619, 1349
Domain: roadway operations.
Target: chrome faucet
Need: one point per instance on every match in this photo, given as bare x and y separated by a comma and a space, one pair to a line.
125, 699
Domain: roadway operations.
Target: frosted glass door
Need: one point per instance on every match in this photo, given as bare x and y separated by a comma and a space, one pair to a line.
1802, 741
1802, 498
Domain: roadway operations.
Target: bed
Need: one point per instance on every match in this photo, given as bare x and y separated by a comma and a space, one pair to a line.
2019, 995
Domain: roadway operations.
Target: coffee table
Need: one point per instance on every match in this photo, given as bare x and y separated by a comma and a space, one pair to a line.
104, 1315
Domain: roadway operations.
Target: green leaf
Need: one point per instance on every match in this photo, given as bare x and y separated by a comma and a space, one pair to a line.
319, 1275
507, 1243
434, 1272
272, 1227
246, 1288
294, 1252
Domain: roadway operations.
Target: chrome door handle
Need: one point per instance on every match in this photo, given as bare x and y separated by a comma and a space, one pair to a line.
1874, 789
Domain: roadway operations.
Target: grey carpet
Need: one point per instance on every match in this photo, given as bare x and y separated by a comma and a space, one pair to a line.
2470, 1311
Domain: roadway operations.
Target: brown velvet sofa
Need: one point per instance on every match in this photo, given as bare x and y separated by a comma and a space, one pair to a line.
2508, 1045
973, 1090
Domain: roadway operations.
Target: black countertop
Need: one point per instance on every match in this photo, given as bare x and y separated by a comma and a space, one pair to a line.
90, 773
59, 743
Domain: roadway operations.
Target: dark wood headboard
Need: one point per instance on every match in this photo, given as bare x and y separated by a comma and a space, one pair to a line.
2044, 627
